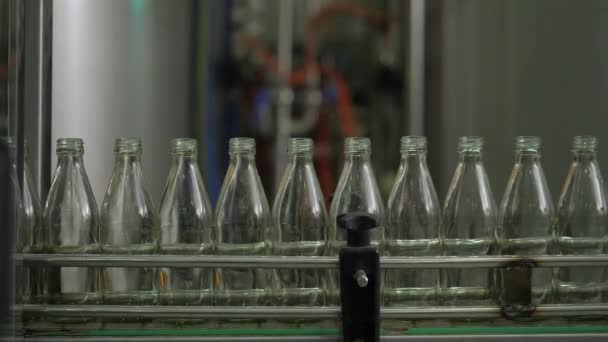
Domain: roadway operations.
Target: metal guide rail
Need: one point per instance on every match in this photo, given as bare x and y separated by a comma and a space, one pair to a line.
302, 312
290, 262
598, 313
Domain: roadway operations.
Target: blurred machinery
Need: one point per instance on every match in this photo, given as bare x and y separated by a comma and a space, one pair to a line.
327, 70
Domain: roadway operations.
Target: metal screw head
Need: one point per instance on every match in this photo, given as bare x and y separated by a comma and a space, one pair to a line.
361, 278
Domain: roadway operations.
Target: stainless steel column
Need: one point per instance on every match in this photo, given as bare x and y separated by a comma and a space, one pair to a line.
121, 68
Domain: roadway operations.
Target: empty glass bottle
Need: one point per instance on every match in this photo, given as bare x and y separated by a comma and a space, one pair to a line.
185, 228
29, 215
526, 215
582, 224
71, 224
357, 190
468, 225
128, 226
413, 223
299, 218
243, 223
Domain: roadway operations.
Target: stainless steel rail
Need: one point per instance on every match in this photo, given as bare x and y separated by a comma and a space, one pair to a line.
593, 337
219, 312
107, 260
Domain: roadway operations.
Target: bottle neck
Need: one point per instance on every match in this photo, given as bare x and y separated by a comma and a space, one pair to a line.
412, 159
527, 157
67, 158
242, 158
584, 156
299, 157
469, 156
128, 159
184, 158
357, 157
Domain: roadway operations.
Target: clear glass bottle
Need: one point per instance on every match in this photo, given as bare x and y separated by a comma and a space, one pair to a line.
526, 215
185, 228
128, 226
357, 190
29, 234
468, 226
243, 223
71, 224
582, 224
414, 217
299, 218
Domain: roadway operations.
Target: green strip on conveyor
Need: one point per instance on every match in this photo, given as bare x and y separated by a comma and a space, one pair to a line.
509, 330
213, 332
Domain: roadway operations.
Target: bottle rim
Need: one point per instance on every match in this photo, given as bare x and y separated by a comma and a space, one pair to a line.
300, 146
413, 143
70, 145
528, 143
128, 146
470, 143
241, 145
353, 145
584, 143
184, 146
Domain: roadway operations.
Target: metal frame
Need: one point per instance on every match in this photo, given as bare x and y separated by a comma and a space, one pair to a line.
437, 338
283, 262
303, 312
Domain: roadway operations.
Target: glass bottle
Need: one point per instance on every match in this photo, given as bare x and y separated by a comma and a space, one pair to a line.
357, 190
185, 228
526, 215
242, 222
71, 223
128, 226
414, 218
582, 224
468, 226
299, 218
29, 216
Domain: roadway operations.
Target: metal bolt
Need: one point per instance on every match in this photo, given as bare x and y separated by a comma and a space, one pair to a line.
361, 278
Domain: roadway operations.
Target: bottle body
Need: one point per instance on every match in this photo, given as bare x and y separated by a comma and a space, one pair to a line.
185, 228
413, 221
468, 226
71, 225
526, 216
28, 214
582, 223
128, 226
299, 219
242, 222
357, 190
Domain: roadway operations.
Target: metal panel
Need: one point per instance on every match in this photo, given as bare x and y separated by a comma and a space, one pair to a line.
121, 68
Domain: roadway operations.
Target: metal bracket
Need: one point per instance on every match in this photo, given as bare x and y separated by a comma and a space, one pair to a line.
359, 280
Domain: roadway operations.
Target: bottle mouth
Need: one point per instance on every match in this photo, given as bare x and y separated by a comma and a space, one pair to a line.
470, 144
300, 146
241, 145
127, 146
184, 146
527, 144
70, 145
584, 143
357, 145
413, 143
